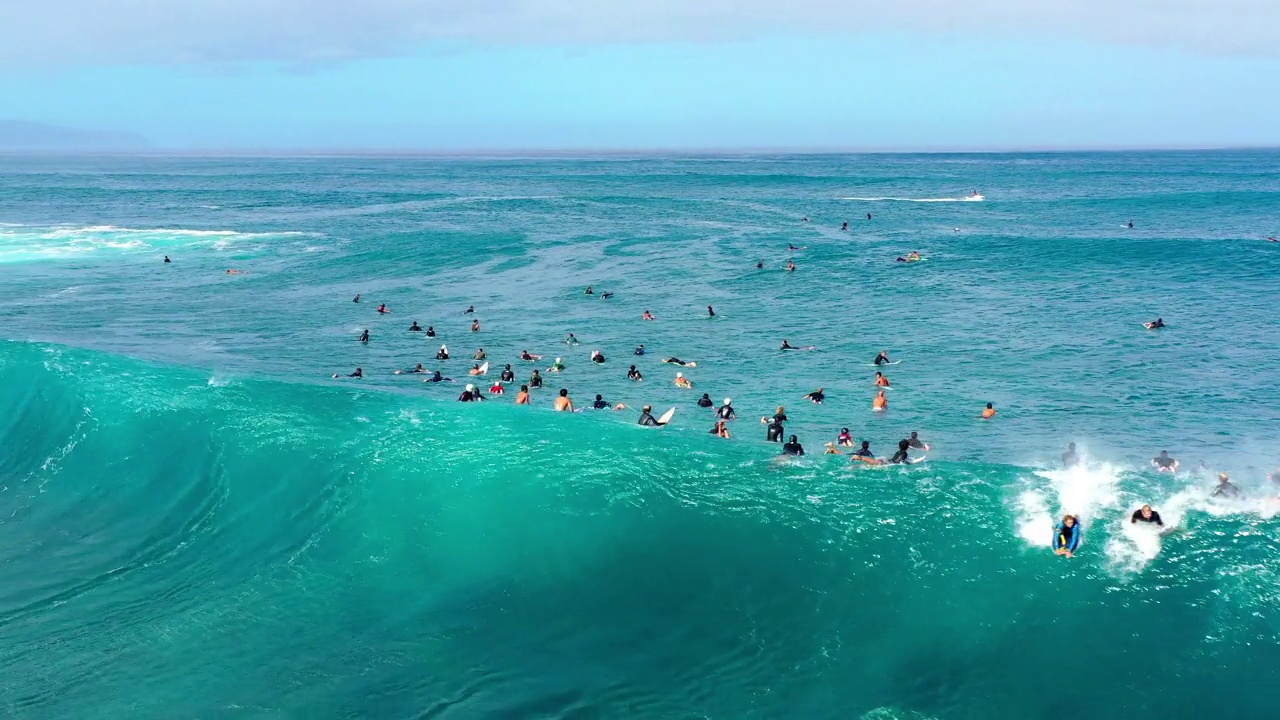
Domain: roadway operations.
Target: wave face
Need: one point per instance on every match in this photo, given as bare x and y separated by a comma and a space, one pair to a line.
258, 548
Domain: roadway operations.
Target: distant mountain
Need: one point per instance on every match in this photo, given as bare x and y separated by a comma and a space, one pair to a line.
18, 136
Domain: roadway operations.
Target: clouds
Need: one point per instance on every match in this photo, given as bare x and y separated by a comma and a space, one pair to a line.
50, 33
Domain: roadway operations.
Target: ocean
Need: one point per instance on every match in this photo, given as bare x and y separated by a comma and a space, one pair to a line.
198, 521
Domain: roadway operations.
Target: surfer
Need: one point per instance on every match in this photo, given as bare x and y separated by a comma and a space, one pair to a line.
475, 326
431, 331
522, 397
915, 441
1145, 514
710, 312
844, 438
900, 457
356, 299
528, 357
705, 401
787, 346
882, 358
606, 295
470, 309
1226, 489
792, 447
597, 356
589, 291
988, 412
1067, 537
1154, 324
364, 336
726, 411
383, 309
418, 370
563, 403
1130, 224
437, 377
571, 340
817, 396
639, 349
1069, 458
535, 380
721, 429
759, 264
678, 361
469, 394
634, 374
507, 375
832, 449
497, 389
845, 226
791, 266
479, 354
166, 259
773, 433
475, 370
864, 453
683, 382
1164, 463
868, 216
443, 353
881, 380
647, 419
359, 373
647, 316
414, 327
557, 366
881, 403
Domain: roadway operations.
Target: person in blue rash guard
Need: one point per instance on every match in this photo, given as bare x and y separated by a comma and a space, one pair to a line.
1067, 537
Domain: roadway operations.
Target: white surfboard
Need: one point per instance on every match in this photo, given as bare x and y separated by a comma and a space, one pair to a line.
666, 416
891, 362
484, 368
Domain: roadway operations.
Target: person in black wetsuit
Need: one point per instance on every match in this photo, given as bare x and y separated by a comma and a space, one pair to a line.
726, 411
1069, 458
418, 370
845, 226
868, 216
359, 373
606, 296
639, 349
1155, 324
431, 331
882, 358
900, 457
705, 401
787, 346
817, 396
759, 264
710, 312
677, 361
443, 353
1226, 489
773, 433
1145, 514
600, 403
414, 327
647, 419
1164, 463
915, 442
597, 356
437, 377
356, 299
364, 336
589, 291
470, 310
535, 380
507, 375
792, 447
166, 259
634, 374
864, 451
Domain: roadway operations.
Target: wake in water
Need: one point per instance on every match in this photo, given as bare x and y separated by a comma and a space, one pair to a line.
20, 243
975, 197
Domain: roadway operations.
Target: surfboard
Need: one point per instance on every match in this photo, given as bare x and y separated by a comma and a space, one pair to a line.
891, 362
920, 459
484, 368
666, 416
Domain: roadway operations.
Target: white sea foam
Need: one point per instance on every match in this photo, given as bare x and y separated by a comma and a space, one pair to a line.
1085, 491
28, 244
967, 198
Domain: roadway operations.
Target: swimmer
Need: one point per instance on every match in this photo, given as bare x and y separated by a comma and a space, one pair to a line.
597, 356
791, 266
868, 216
844, 439
359, 373
881, 403
804, 219
497, 389
988, 412
882, 358
1145, 514
364, 336
721, 430
437, 377
817, 396
1069, 458
678, 361
787, 346
475, 370
414, 327
356, 299
705, 401
1164, 463
470, 309
479, 354
233, 272
1154, 324
647, 419
915, 441
759, 264
683, 382
475, 326
507, 375
418, 370
589, 291
431, 331
602, 404
1067, 537
1226, 489
606, 296
1130, 224
792, 447
647, 316
881, 380
571, 340
634, 374
845, 226
382, 309
166, 259
710, 312
522, 397
557, 366
443, 353
527, 357
535, 380
563, 403
639, 349
726, 411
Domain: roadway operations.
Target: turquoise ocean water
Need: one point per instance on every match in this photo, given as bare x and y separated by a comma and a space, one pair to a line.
197, 522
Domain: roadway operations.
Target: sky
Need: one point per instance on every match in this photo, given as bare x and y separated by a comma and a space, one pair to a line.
554, 75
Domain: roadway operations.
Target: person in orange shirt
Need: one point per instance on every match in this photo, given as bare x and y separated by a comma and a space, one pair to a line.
522, 397
881, 403
989, 412
881, 380
683, 382
563, 403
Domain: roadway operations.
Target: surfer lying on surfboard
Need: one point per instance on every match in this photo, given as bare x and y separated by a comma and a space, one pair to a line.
647, 419
788, 346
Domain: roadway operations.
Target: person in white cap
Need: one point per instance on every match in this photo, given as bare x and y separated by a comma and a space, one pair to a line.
683, 382
444, 353
726, 411
470, 394
556, 366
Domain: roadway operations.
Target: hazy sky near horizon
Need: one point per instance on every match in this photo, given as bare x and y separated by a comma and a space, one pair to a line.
565, 74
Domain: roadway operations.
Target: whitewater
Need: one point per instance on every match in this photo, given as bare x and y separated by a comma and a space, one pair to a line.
196, 520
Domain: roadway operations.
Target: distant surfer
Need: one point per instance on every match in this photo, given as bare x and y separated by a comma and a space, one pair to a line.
1067, 537
1130, 224
417, 370
529, 357
475, 370
678, 361
522, 397
359, 373
1069, 458
882, 358
705, 401
431, 331
845, 226
364, 336
443, 353
647, 419
437, 377
557, 366
868, 216
788, 346
382, 309
571, 340
881, 380
863, 454
647, 316
606, 295
471, 394
900, 457
773, 433
759, 264
1154, 324
479, 354
356, 299
639, 349
844, 438
1226, 488
726, 411
414, 327
470, 310
589, 291
1163, 463
792, 447
166, 259
682, 382
988, 412
791, 266
710, 311
602, 404
507, 375
915, 441
563, 403
881, 403
817, 396
1145, 514
597, 357
535, 380
475, 326
634, 374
